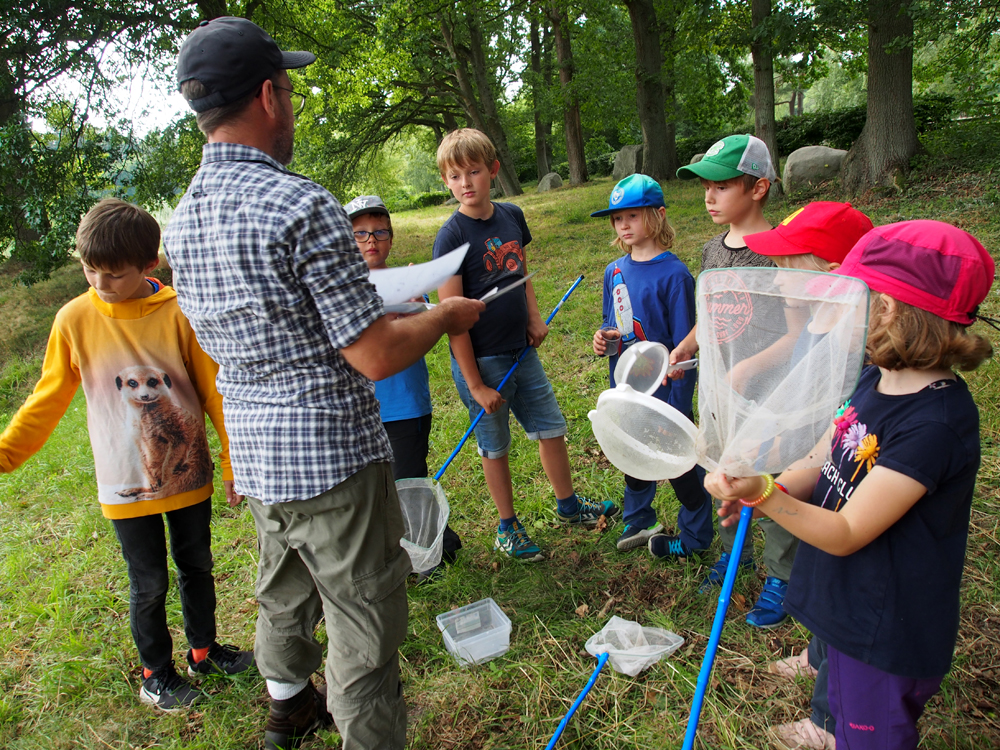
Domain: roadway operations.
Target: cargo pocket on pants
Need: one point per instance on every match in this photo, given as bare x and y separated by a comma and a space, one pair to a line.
383, 597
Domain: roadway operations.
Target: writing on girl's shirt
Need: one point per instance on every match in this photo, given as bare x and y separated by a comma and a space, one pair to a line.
839, 483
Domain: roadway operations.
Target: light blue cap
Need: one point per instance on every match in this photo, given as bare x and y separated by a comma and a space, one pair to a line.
635, 191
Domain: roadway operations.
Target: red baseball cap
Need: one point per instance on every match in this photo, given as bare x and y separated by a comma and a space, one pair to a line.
826, 229
928, 264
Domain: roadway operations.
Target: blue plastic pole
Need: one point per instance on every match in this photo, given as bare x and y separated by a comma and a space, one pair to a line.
602, 659
720, 620
503, 382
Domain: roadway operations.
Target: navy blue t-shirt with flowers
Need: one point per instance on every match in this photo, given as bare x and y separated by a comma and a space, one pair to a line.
894, 604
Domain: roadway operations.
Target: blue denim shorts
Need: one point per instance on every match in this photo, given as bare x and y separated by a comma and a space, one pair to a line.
528, 394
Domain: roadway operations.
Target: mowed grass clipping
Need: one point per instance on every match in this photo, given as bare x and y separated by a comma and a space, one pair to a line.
69, 671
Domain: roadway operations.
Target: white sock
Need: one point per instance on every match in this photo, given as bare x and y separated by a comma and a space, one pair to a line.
282, 691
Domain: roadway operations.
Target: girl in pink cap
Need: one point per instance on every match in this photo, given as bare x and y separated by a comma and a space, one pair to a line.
883, 524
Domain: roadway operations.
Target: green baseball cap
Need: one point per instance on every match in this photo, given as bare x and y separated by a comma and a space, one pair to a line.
733, 156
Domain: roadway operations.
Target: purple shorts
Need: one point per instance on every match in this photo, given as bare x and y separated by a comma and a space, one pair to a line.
875, 710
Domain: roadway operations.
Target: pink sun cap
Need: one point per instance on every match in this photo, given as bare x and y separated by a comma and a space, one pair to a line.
928, 264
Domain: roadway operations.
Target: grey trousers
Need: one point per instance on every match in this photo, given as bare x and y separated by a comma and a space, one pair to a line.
779, 546
337, 555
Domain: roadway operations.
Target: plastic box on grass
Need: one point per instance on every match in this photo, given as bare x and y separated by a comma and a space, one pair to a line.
476, 632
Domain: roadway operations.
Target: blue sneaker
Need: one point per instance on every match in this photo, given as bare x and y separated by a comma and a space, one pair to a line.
588, 512
717, 573
635, 536
769, 611
665, 547
514, 542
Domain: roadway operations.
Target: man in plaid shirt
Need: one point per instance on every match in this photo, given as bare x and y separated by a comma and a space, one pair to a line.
267, 271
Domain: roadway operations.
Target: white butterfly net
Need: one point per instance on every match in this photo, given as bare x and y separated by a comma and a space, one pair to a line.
779, 351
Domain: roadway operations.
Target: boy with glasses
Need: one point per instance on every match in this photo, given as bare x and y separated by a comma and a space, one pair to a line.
404, 398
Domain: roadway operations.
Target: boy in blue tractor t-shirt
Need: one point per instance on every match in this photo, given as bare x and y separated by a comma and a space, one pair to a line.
498, 234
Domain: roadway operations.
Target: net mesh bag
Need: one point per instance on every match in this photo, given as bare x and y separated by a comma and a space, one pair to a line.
643, 366
425, 515
779, 351
643, 436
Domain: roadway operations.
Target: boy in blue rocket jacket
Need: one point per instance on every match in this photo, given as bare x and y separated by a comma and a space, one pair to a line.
649, 296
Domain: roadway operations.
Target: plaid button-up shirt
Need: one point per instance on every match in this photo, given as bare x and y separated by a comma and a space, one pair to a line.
267, 271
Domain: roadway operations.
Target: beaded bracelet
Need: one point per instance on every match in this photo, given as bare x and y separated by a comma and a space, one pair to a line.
768, 489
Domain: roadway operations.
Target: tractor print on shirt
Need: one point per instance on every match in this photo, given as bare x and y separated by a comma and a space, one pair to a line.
503, 259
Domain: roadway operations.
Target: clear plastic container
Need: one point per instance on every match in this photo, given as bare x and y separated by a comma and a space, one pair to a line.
475, 633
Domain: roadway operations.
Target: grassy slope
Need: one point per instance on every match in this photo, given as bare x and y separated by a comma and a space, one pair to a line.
67, 665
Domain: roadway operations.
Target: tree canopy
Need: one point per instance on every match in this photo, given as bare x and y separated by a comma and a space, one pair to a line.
557, 85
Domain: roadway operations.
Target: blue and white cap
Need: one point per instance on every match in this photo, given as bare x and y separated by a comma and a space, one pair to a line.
635, 191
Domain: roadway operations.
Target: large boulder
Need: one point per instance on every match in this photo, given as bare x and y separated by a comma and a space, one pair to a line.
696, 158
811, 165
551, 181
628, 161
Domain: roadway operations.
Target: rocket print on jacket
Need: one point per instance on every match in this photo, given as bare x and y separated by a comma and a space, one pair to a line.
630, 326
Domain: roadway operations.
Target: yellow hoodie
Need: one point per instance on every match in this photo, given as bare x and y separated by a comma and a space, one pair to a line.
148, 386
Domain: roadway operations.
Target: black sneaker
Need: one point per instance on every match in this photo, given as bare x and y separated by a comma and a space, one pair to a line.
665, 547
221, 660
291, 721
167, 691
636, 536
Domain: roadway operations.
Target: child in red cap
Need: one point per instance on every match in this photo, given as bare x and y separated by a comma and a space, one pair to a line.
884, 523
816, 237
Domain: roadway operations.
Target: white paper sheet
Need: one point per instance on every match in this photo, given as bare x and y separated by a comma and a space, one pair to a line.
402, 284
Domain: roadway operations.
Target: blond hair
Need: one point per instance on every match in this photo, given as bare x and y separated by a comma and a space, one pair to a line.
656, 225
914, 338
114, 235
463, 147
803, 262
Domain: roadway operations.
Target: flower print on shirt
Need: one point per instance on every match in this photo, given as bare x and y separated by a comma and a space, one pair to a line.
867, 451
846, 418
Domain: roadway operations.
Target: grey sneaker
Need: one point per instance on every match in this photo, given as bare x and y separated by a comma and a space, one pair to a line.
167, 691
221, 660
634, 536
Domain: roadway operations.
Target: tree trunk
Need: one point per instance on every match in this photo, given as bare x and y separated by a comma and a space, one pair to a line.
881, 155
480, 117
494, 128
542, 163
649, 91
668, 39
763, 83
571, 112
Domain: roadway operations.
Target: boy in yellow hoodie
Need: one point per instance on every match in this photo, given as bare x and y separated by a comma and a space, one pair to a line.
148, 386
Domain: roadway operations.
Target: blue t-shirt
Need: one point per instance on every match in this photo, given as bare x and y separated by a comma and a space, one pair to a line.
495, 259
894, 603
405, 395
655, 300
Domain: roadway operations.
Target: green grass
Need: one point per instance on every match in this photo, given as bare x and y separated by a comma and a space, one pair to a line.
68, 670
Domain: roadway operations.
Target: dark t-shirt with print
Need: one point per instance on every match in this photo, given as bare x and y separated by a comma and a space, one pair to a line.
495, 259
894, 603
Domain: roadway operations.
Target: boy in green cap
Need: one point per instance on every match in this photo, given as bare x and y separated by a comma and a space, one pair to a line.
736, 173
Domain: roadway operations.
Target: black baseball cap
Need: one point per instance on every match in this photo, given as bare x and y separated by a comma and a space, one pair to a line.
231, 56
